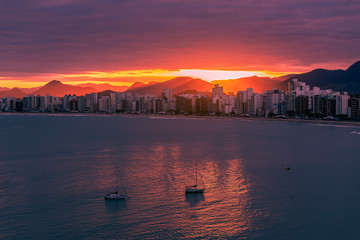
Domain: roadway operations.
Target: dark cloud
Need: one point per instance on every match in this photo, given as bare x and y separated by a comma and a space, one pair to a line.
66, 36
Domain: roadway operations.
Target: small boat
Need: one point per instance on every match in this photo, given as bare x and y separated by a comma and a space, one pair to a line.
194, 188
287, 168
116, 195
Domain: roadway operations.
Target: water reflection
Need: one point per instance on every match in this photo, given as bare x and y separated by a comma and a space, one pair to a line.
240, 163
194, 199
155, 176
113, 206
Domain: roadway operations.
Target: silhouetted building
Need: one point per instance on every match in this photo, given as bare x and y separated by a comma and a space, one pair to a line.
183, 105
302, 104
202, 105
19, 106
354, 108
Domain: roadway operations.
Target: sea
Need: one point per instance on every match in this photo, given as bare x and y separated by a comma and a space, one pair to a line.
264, 179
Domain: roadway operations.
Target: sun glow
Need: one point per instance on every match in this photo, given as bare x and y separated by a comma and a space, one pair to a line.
120, 74
99, 83
211, 75
207, 75
127, 78
20, 83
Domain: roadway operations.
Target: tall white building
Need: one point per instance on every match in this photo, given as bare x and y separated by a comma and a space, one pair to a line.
342, 104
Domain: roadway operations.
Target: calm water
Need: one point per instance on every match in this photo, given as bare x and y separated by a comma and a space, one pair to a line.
54, 171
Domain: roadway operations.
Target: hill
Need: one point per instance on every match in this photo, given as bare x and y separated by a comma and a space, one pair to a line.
57, 88
138, 85
15, 92
106, 93
178, 85
337, 80
104, 87
257, 83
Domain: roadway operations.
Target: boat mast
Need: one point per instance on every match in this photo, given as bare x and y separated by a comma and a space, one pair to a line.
122, 182
117, 181
196, 173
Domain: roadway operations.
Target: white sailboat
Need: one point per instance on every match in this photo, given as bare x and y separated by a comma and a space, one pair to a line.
194, 188
116, 195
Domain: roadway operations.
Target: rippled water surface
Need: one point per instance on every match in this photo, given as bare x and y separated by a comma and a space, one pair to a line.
55, 170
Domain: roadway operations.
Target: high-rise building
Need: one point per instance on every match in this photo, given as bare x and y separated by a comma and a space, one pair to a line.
167, 94
342, 103
104, 103
302, 104
217, 92
81, 104
354, 106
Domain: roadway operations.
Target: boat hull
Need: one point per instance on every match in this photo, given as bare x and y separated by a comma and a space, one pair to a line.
115, 197
194, 190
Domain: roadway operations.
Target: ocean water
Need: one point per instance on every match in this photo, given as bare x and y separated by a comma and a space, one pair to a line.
55, 170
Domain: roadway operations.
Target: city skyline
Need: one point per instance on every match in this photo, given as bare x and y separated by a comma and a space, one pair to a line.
300, 101
128, 41
179, 119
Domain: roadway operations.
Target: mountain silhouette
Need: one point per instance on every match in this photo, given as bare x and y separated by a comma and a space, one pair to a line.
354, 70
240, 84
103, 87
57, 88
106, 93
178, 85
137, 85
337, 80
15, 92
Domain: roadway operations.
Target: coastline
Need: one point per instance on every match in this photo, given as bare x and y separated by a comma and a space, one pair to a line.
168, 116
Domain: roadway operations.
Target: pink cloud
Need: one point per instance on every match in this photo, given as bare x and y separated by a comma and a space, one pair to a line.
63, 36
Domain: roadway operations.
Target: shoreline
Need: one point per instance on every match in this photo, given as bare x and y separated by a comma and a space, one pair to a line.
164, 116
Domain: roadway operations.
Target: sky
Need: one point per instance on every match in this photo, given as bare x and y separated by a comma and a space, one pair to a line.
122, 41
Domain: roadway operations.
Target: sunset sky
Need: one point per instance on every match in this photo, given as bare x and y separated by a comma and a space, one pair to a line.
122, 41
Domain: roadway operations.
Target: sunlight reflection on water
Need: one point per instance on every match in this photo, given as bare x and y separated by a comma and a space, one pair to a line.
155, 178
65, 165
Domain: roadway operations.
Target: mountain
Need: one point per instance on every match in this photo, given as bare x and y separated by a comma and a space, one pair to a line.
138, 85
57, 88
15, 92
354, 70
104, 86
29, 90
106, 93
241, 84
283, 78
24, 90
178, 85
337, 80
